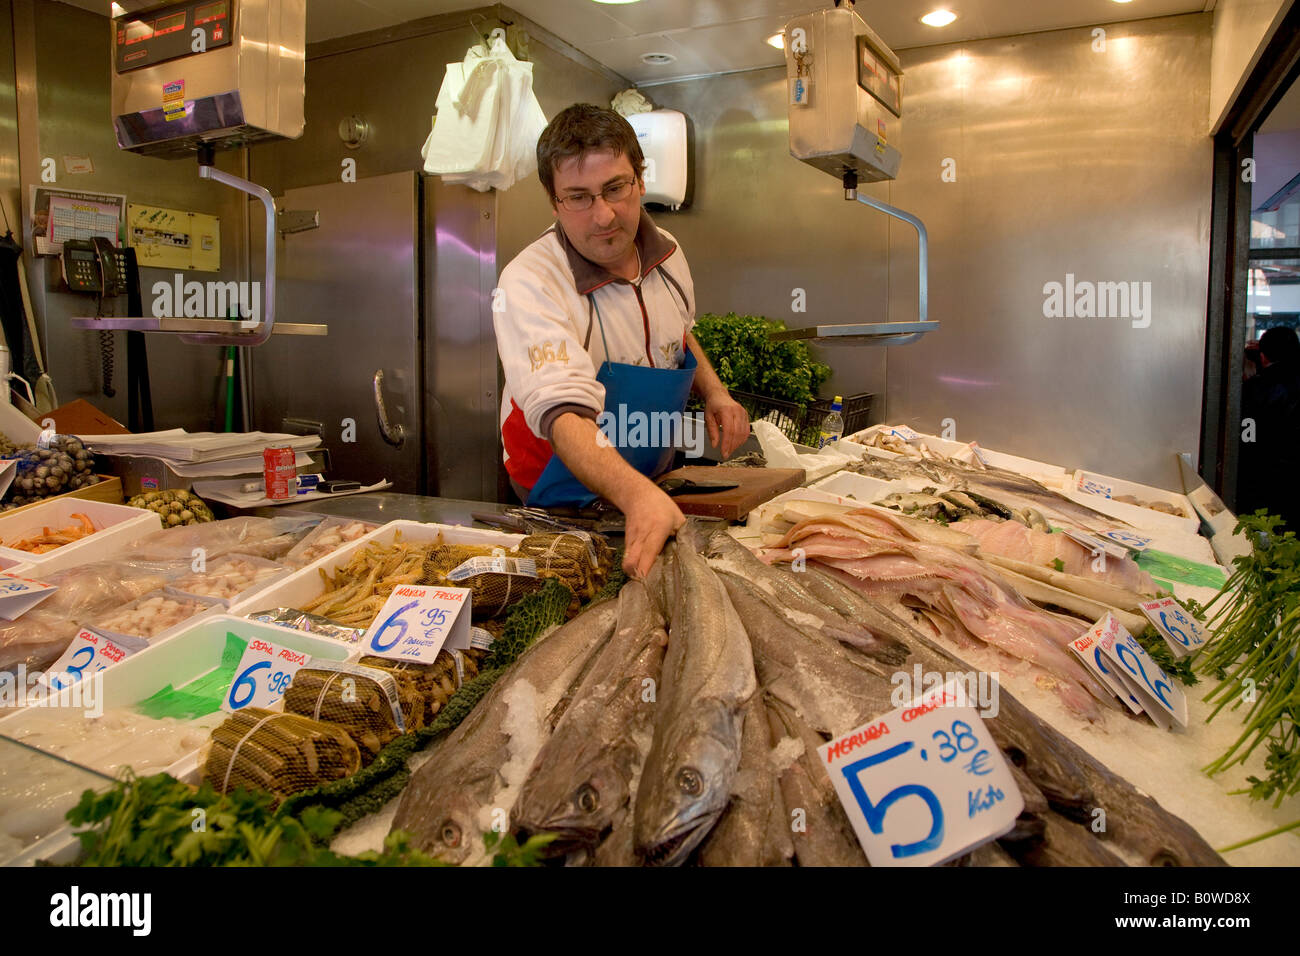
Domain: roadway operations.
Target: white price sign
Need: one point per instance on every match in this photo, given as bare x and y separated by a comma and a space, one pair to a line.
416, 621
20, 595
1088, 647
925, 783
1181, 631
1158, 692
1134, 542
264, 673
88, 654
1116, 551
903, 432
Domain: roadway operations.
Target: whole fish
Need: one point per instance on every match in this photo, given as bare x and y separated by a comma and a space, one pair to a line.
450, 801
583, 774
708, 675
795, 603
754, 830
1064, 843
820, 830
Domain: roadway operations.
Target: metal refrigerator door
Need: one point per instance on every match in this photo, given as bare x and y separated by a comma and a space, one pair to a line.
358, 273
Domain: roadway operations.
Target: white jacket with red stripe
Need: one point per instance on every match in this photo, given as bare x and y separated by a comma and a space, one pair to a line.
550, 342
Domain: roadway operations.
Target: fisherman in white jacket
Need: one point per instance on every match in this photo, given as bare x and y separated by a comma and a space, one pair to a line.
593, 325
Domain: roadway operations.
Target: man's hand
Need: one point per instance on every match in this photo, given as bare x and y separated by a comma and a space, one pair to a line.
726, 419
651, 516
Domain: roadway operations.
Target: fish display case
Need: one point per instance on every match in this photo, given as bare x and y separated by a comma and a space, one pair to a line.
37, 789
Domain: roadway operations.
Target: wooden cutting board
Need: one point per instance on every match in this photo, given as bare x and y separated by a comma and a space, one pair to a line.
757, 485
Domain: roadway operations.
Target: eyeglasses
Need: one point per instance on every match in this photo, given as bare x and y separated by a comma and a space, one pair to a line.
614, 192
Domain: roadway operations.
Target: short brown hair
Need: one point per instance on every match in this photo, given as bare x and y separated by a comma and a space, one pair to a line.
580, 129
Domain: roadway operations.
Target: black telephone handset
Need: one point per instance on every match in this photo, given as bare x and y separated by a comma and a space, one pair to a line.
93, 265
97, 266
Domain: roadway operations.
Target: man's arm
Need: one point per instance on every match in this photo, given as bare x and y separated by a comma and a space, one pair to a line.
651, 516
724, 416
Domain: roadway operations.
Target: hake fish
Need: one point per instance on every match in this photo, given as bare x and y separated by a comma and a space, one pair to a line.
449, 802
708, 675
755, 830
582, 777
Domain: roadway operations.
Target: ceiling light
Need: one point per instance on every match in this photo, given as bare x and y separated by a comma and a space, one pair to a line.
616, 1
118, 10
654, 59
939, 18
777, 40
1123, 1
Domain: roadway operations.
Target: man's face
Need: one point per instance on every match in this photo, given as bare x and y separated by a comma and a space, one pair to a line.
604, 232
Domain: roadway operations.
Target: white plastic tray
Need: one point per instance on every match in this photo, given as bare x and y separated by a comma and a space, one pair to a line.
275, 572
118, 526
177, 662
1134, 514
305, 585
213, 606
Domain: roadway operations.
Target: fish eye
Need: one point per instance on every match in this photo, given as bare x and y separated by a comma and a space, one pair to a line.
1165, 858
450, 834
689, 781
587, 798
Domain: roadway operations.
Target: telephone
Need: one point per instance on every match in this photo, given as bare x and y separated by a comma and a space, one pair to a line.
94, 265
97, 266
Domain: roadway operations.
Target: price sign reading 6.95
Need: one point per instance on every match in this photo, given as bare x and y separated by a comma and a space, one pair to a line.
264, 673
417, 621
923, 784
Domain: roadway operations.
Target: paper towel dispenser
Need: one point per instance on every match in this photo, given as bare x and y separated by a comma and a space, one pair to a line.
218, 72
665, 140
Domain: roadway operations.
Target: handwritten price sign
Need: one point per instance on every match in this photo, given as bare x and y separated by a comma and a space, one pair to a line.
1088, 648
1158, 692
923, 784
20, 595
88, 654
417, 621
264, 673
1180, 630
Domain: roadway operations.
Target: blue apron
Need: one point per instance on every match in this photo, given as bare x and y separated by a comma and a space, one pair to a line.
640, 391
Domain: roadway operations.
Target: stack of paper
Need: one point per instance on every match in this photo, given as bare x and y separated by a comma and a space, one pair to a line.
179, 446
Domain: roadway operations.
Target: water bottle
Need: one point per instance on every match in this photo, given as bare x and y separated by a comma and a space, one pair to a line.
832, 424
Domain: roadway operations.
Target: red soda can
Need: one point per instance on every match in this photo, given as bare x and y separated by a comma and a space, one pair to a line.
279, 472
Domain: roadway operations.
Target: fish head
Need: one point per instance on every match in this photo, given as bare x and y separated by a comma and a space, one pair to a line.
582, 815
684, 801
453, 830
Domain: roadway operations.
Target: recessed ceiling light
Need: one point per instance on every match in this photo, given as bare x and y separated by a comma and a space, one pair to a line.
655, 59
616, 1
777, 40
939, 18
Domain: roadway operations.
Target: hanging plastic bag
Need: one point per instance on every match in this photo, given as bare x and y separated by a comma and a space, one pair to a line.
485, 134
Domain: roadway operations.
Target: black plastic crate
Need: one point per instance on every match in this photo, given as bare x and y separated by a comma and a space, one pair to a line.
801, 424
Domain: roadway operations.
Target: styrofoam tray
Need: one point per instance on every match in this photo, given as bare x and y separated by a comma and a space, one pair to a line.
180, 660
962, 452
303, 586
212, 604
867, 489
118, 526
1092, 483
295, 558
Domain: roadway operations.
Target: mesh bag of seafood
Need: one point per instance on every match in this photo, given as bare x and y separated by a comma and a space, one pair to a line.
496, 581
371, 705
435, 682
580, 561
277, 752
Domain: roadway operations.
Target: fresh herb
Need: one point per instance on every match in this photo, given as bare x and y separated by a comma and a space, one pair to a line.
159, 821
1255, 654
1158, 650
1058, 564
745, 357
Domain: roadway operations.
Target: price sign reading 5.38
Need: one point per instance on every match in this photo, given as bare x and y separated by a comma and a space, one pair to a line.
923, 784
417, 621
264, 673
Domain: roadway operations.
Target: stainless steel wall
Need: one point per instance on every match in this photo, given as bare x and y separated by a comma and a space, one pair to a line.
73, 66
1068, 161
391, 80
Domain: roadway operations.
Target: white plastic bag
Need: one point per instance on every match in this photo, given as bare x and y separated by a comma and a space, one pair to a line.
485, 134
